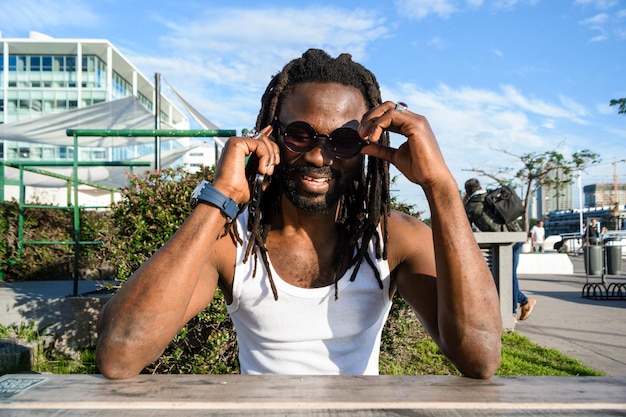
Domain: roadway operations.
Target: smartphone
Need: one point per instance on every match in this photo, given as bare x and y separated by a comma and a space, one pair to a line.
257, 193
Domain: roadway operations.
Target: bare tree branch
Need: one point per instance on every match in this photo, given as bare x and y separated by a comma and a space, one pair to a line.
549, 169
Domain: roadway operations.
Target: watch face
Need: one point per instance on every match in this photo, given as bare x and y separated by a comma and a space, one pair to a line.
196, 192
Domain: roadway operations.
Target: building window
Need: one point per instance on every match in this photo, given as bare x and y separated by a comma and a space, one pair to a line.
35, 63
70, 63
46, 63
66, 152
121, 87
145, 101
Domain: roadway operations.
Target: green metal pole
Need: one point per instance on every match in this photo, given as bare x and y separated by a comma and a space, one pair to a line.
20, 216
222, 133
2, 200
2, 180
76, 216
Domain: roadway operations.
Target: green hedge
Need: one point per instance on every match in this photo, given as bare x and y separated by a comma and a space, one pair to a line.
51, 262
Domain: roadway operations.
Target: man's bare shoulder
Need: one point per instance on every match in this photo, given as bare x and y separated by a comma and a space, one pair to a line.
408, 237
400, 220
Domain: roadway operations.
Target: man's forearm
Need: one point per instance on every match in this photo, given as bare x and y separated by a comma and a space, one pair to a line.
141, 319
468, 308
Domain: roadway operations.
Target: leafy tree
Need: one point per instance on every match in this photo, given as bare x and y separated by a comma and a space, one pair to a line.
549, 169
402, 206
621, 103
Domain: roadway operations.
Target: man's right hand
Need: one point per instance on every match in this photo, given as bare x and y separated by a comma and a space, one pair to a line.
230, 175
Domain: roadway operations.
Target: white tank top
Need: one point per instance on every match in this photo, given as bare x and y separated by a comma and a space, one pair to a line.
307, 331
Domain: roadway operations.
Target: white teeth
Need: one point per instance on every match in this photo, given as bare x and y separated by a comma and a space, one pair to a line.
320, 180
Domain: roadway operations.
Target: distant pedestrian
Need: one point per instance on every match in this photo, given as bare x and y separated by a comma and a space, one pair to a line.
590, 233
484, 218
604, 234
538, 237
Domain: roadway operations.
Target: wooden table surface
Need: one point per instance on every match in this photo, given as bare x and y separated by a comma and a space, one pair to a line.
237, 395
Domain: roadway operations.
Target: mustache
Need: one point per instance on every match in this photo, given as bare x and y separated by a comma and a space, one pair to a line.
324, 171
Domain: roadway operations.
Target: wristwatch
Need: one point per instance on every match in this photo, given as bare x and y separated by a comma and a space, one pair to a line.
206, 193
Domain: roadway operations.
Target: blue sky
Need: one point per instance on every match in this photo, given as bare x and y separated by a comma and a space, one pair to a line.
520, 75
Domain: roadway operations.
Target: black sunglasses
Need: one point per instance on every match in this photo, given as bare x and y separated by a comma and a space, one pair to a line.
301, 137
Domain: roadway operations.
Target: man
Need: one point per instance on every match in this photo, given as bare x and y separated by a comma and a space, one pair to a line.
590, 233
309, 274
483, 217
537, 237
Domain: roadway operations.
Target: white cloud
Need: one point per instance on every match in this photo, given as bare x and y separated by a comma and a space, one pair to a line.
420, 9
598, 4
598, 38
437, 42
273, 30
28, 15
263, 37
599, 19
473, 125
234, 57
497, 52
607, 23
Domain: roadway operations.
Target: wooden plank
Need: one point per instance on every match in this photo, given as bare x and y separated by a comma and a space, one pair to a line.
225, 395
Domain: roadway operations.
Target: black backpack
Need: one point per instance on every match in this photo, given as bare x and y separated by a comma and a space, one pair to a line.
505, 203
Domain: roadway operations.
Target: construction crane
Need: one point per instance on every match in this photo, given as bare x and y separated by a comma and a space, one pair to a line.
616, 210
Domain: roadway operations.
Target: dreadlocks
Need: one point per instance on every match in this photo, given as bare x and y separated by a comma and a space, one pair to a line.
364, 203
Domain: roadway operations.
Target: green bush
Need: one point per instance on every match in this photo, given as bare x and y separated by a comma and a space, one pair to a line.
50, 261
151, 209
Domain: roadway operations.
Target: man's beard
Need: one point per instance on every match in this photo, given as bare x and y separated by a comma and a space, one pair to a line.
311, 202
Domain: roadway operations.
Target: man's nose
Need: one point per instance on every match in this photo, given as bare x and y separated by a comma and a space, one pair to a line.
320, 155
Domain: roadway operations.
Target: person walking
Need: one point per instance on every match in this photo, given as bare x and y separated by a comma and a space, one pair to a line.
590, 233
538, 237
485, 219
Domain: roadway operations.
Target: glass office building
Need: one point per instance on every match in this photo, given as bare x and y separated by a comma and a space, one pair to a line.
40, 76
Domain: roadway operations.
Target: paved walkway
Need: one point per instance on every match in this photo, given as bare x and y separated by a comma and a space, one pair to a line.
592, 331
36, 301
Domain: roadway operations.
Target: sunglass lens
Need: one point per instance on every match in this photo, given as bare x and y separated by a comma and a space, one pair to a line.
299, 137
346, 143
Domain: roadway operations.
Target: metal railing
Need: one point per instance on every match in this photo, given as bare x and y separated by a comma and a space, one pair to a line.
74, 181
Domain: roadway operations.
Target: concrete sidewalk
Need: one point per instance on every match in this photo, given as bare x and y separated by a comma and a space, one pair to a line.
592, 331
37, 301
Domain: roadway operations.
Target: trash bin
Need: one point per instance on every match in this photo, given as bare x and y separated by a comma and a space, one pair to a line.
593, 260
613, 260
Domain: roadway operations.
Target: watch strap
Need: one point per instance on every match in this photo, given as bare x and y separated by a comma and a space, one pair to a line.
207, 193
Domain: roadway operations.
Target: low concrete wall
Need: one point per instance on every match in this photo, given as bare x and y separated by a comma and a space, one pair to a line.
17, 355
545, 263
71, 320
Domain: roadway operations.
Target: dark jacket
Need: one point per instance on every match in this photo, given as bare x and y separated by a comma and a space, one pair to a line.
484, 217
